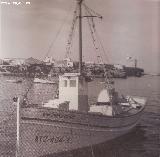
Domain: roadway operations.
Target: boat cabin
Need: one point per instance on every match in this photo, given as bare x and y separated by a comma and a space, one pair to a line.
73, 93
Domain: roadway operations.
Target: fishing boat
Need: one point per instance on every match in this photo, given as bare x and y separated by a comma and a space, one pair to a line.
14, 81
68, 121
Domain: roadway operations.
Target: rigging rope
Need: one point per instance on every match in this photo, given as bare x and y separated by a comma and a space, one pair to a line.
94, 30
92, 11
104, 52
92, 35
108, 80
57, 34
49, 49
71, 34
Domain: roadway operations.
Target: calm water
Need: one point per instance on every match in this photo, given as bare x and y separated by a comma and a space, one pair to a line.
143, 141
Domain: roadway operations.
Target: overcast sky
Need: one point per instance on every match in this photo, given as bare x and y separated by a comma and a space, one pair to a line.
129, 28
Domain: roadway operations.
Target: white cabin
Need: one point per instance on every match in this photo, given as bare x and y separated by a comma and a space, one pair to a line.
73, 88
73, 95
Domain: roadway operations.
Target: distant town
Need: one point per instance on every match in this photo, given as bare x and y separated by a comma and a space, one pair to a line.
32, 67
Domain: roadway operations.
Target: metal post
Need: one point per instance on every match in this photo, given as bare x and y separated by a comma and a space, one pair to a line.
18, 126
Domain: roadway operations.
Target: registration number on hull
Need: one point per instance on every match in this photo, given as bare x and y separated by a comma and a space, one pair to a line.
52, 139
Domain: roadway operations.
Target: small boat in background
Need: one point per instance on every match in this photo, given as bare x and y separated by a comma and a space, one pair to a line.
44, 81
14, 81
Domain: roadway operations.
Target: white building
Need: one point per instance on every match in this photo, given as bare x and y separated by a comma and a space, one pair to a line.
1, 61
68, 62
49, 60
15, 61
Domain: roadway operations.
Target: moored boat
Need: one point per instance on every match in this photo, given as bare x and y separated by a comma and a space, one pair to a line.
68, 121
14, 81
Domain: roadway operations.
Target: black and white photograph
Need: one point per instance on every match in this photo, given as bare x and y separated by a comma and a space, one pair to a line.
79, 78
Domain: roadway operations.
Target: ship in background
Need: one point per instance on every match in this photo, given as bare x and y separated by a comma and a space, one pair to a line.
68, 121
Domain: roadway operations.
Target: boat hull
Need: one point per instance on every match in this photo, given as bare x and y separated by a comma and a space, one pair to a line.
14, 81
44, 132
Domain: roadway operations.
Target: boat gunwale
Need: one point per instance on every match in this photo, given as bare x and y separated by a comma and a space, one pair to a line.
73, 123
86, 113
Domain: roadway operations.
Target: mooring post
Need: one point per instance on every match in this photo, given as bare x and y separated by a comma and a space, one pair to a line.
18, 127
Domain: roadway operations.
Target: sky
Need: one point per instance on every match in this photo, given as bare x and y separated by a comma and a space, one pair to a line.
129, 28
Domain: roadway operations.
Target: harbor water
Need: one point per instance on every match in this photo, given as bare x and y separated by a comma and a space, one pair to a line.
142, 141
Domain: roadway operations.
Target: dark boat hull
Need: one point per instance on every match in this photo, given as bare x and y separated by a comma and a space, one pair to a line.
47, 131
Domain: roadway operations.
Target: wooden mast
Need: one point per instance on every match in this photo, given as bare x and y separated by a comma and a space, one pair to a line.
80, 35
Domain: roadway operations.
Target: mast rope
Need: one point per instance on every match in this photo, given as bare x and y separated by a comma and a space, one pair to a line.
49, 49
96, 34
108, 80
58, 32
71, 34
92, 11
103, 50
92, 35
